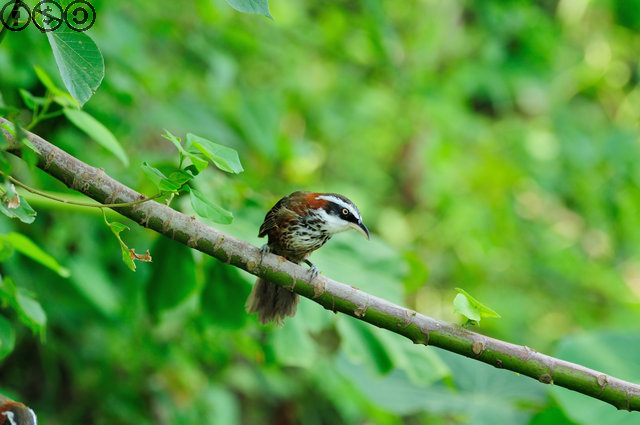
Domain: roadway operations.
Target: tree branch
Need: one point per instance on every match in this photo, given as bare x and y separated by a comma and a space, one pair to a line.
329, 293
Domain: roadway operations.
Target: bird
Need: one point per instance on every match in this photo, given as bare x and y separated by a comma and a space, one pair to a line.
15, 413
295, 226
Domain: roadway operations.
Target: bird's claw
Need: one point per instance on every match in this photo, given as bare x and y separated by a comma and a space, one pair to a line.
263, 251
313, 270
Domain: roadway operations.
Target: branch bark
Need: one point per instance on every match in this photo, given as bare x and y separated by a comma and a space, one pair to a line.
332, 295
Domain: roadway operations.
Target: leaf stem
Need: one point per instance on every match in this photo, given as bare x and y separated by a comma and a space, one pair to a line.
82, 204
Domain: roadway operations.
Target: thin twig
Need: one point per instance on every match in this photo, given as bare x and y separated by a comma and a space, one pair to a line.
82, 204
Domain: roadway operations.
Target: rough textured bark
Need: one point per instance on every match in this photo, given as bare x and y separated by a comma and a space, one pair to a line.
329, 293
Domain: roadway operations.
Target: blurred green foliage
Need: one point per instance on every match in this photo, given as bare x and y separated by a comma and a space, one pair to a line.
491, 146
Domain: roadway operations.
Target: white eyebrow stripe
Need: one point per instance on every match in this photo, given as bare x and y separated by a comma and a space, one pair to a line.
343, 204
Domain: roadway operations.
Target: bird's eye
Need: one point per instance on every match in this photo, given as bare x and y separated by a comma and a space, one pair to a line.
345, 211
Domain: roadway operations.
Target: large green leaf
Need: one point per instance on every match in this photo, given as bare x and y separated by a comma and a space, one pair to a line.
292, 344
258, 7
207, 209
173, 277
482, 395
97, 132
361, 344
223, 157
94, 284
28, 309
7, 337
614, 353
224, 296
79, 61
27, 247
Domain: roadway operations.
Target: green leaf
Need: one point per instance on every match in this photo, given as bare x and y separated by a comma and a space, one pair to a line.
204, 208
462, 305
32, 310
128, 254
79, 61
117, 227
158, 178
221, 156
100, 291
613, 353
22, 137
171, 184
28, 309
46, 80
471, 308
178, 178
224, 296
30, 100
173, 279
176, 142
7, 337
6, 250
258, 7
199, 163
293, 346
97, 132
15, 206
361, 344
27, 247
5, 165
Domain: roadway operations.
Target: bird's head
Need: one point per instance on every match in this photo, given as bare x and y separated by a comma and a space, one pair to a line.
338, 213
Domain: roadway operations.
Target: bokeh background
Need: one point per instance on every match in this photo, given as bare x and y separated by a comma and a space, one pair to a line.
491, 146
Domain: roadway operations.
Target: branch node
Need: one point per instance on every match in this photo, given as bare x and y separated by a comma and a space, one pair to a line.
110, 199
166, 224
361, 311
545, 378
530, 351
477, 348
48, 160
498, 364
319, 288
144, 219
407, 319
602, 380
252, 266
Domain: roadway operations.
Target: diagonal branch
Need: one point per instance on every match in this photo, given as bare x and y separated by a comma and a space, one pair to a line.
329, 293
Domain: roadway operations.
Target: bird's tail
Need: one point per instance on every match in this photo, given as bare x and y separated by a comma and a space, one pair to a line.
272, 302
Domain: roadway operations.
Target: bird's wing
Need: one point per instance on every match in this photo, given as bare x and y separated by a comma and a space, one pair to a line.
282, 212
275, 215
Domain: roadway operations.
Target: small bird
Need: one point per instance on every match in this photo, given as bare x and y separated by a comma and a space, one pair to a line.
296, 226
15, 413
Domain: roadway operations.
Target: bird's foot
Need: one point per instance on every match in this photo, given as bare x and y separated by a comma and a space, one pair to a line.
313, 270
263, 251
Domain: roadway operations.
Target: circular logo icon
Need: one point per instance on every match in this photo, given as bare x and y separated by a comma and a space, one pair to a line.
15, 15
52, 15
80, 15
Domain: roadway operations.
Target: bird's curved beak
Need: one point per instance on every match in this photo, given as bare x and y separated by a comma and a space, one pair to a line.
360, 227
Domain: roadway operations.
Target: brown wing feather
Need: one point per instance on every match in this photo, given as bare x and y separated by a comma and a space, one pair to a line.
280, 213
